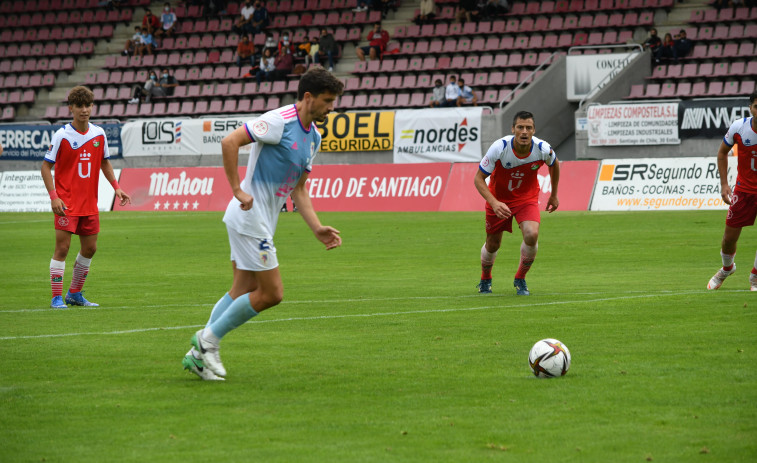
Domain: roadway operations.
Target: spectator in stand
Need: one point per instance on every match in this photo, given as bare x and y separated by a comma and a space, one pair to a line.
134, 43
451, 92
285, 42
467, 95
310, 50
469, 11
362, 5
653, 42
154, 87
213, 8
377, 40
150, 22
148, 43
246, 52
167, 22
284, 65
437, 94
1, 150
494, 8
243, 24
426, 13
682, 44
666, 50
270, 42
327, 47
267, 65
260, 19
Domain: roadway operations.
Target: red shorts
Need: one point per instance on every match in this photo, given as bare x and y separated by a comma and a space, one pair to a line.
522, 213
743, 210
78, 225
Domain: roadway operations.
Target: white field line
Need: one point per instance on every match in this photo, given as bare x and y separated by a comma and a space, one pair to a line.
367, 315
341, 301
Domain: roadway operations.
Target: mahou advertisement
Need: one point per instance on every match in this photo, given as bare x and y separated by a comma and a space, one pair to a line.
176, 189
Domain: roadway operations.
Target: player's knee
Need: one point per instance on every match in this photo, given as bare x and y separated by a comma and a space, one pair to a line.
273, 296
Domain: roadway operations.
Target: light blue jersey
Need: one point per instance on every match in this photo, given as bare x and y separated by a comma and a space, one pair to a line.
282, 151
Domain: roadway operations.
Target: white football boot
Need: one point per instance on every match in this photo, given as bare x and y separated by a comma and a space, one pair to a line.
193, 363
208, 354
753, 281
718, 278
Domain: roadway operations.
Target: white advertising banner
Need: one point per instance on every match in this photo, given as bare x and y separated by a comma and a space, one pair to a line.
587, 72
660, 184
177, 136
437, 135
633, 124
24, 191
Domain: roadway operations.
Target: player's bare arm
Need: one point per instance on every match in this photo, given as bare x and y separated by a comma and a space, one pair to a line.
325, 234
554, 175
56, 204
110, 176
230, 150
500, 208
725, 189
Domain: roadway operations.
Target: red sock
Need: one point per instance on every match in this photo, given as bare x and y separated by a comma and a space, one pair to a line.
527, 256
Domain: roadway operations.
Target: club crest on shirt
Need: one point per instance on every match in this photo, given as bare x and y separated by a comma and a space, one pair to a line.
534, 166
96, 144
260, 128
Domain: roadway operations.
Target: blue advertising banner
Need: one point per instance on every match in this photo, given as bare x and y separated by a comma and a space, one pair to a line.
31, 142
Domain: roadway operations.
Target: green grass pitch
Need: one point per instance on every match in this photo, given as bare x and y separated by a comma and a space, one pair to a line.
382, 350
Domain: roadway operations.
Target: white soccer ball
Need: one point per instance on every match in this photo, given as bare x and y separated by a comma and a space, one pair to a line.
549, 358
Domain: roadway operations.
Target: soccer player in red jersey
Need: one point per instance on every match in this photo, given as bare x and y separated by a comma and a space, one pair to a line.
513, 192
79, 150
743, 197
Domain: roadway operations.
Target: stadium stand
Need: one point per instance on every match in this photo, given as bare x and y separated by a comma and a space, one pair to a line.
39, 44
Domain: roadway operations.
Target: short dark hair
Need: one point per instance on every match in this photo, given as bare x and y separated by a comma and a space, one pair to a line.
461, 81
317, 80
753, 97
523, 115
80, 96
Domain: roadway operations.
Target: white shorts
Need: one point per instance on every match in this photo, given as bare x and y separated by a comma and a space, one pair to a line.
253, 254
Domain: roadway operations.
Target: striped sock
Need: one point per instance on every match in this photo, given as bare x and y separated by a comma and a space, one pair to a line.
487, 262
57, 268
81, 269
527, 256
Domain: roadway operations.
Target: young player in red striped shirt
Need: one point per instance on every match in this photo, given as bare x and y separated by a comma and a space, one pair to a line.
743, 197
79, 151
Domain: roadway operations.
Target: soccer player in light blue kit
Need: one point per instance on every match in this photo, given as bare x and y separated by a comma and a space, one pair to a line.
285, 143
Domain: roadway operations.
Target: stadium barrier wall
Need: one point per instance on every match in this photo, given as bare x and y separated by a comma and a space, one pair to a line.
612, 185
24, 191
376, 187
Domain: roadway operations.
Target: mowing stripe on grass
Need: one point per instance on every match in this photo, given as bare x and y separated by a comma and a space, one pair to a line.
376, 314
379, 299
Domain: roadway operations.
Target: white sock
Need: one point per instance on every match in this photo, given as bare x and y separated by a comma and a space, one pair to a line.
727, 259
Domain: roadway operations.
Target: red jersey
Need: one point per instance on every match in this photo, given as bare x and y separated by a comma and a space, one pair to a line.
77, 157
514, 179
742, 134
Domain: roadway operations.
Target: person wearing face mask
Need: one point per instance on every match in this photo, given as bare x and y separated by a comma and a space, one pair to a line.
167, 22
243, 24
155, 87
285, 43
260, 19
148, 43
